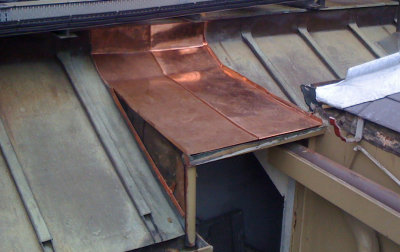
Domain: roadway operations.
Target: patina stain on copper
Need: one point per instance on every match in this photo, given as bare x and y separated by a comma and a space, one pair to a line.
169, 76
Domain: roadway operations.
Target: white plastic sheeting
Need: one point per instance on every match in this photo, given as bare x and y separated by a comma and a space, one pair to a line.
367, 82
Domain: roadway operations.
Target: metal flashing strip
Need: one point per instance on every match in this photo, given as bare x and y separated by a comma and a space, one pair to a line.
24, 191
169, 76
228, 152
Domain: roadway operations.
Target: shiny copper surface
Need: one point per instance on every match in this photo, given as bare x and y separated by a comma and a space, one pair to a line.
179, 87
121, 39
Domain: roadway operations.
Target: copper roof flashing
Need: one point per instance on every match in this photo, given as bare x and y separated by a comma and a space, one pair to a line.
170, 76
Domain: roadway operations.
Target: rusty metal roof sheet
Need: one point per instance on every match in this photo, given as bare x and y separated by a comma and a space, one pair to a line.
169, 75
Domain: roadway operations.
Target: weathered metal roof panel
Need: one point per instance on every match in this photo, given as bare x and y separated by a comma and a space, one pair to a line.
343, 48
82, 199
126, 154
287, 59
15, 224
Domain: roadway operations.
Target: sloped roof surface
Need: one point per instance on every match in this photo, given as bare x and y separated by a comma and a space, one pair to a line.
49, 127
303, 47
174, 81
81, 197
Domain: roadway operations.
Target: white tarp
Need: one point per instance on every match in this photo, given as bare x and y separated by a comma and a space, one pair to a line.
367, 82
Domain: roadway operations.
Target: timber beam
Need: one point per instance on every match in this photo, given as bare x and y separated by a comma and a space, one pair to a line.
362, 198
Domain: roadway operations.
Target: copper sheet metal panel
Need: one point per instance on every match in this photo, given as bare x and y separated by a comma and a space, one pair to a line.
181, 89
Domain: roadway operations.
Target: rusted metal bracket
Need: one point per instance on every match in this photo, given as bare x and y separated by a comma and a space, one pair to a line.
25, 192
338, 133
341, 186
